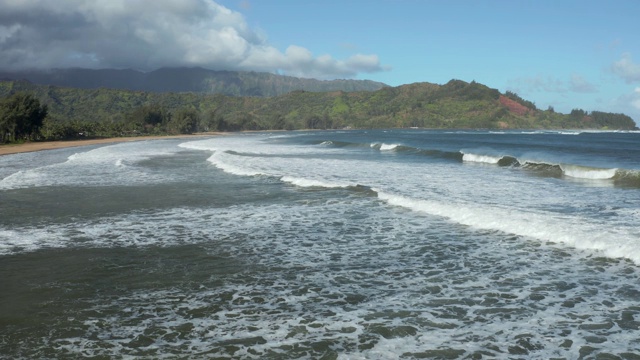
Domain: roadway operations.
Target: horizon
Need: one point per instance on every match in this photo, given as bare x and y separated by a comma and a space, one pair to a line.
566, 55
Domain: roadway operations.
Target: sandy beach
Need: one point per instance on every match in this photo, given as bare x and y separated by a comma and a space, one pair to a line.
51, 145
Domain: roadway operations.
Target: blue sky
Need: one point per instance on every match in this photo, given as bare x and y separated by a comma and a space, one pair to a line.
562, 53
555, 53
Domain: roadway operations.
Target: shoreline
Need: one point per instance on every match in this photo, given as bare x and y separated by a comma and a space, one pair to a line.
52, 145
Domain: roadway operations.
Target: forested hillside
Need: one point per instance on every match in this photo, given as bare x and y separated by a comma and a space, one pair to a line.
456, 104
232, 83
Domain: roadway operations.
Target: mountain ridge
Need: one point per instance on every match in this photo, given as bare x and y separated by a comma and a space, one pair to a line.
192, 79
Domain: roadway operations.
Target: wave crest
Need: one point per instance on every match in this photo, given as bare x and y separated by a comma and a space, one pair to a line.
384, 147
582, 172
546, 227
486, 159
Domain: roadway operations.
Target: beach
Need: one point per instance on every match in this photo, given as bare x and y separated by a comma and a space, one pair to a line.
52, 145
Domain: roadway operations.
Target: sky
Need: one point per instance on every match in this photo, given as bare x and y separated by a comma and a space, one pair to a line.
566, 54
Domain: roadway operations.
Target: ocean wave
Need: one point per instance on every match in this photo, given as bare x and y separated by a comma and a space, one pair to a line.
583, 172
627, 178
544, 169
487, 159
216, 161
558, 170
301, 182
490, 159
388, 147
105, 165
580, 172
575, 232
569, 132
383, 146
615, 176
198, 145
337, 144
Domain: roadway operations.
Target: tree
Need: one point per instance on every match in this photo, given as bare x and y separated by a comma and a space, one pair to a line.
149, 117
184, 121
21, 117
578, 113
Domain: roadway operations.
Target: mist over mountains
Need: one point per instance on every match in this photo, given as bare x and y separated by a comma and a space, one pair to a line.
198, 80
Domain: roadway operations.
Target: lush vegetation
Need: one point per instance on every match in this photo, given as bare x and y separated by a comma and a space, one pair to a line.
232, 83
457, 104
21, 117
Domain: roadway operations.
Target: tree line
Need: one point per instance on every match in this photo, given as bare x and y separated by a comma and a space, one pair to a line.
24, 118
37, 112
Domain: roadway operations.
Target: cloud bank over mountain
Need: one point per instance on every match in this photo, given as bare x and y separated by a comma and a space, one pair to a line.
146, 35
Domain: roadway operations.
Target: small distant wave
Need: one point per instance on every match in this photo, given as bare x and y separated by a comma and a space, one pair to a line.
480, 158
336, 143
307, 183
569, 132
488, 159
627, 178
197, 145
544, 169
619, 177
384, 147
231, 169
572, 171
582, 172
218, 160
388, 147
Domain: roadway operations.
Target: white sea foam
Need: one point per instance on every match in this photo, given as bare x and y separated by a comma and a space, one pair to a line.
431, 265
622, 243
526, 217
582, 172
217, 160
96, 167
312, 183
569, 132
388, 147
342, 274
480, 158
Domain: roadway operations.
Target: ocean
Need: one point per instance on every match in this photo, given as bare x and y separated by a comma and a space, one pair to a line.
358, 244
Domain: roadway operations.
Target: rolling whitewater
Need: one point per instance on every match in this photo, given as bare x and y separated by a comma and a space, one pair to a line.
353, 244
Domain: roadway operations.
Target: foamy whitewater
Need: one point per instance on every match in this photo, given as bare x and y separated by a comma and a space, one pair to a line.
329, 244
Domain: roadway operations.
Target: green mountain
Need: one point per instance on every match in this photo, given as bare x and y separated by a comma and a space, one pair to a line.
456, 104
232, 83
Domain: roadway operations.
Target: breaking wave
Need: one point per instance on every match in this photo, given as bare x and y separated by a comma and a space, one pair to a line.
582, 172
384, 147
481, 158
570, 231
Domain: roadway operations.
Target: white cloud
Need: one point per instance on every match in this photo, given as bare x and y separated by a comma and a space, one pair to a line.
635, 98
628, 104
579, 84
149, 34
576, 83
627, 69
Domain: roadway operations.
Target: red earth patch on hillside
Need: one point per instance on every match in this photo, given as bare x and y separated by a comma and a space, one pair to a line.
513, 106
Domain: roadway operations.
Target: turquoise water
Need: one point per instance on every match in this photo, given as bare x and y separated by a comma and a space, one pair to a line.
349, 245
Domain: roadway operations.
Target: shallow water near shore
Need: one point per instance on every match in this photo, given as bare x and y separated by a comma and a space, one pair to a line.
348, 245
